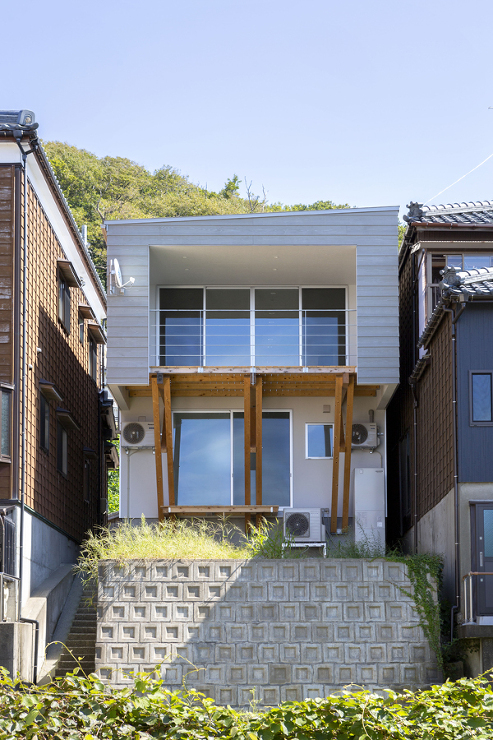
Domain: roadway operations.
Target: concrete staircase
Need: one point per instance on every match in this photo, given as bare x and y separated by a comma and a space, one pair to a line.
81, 640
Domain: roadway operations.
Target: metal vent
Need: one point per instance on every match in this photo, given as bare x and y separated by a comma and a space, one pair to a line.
298, 524
134, 433
360, 434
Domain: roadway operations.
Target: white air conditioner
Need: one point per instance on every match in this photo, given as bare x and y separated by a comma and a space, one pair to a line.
137, 434
364, 436
304, 525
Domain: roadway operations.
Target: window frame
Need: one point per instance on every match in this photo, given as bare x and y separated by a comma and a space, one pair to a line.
318, 424
472, 422
234, 410
44, 422
62, 450
6, 390
93, 358
86, 479
252, 288
64, 302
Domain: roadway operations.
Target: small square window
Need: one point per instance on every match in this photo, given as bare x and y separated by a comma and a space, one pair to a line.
62, 450
319, 441
44, 423
481, 398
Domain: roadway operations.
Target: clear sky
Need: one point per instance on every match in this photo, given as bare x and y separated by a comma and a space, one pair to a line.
369, 103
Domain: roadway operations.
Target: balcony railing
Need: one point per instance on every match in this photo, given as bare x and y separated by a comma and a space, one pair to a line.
475, 586
226, 338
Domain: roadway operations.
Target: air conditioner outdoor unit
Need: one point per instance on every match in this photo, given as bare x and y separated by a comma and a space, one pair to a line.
138, 434
304, 525
364, 435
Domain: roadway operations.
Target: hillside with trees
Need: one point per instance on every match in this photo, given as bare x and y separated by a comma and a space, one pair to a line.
99, 188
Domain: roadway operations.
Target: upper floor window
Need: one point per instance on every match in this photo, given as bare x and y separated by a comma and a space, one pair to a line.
62, 450
481, 398
64, 304
252, 326
439, 262
44, 423
93, 359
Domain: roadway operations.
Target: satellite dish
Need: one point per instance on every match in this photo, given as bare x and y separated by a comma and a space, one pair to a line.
118, 274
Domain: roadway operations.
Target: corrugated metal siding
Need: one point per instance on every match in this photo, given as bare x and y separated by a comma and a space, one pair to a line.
63, 360
474, 352
374, 233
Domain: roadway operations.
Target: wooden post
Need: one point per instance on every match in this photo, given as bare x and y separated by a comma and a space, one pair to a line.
157, 447
168, 421
347, 452
335, 454
258, 444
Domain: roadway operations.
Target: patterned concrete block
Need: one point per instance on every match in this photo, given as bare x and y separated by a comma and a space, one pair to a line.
282, 629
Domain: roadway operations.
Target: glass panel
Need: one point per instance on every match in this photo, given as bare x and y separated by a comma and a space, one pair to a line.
488, 533
454, 260
481, 397
475, 261
227, 327
276, 458
6, 396
277, 327
324, 330
44, 423
202, 458
180, 336
239, 462
319, 440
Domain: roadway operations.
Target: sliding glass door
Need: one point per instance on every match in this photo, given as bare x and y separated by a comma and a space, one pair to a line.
209, 458
241, 327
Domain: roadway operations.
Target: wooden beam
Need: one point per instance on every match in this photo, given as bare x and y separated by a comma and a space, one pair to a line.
248, 421
204, 510
335, 455
258, 440
157, 446
169, 440
347, 454
269, 389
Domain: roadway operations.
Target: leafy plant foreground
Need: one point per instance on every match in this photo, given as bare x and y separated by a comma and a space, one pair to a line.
82, 708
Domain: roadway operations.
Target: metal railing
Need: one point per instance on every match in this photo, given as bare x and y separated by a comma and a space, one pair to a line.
188, 337
470, 596
9, 582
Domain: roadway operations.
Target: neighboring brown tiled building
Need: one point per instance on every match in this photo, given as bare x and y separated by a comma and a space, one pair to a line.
53, 425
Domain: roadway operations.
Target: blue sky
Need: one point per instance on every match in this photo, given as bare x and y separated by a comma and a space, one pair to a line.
369, 103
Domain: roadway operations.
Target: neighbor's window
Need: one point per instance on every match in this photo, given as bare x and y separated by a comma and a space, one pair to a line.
87, 480
44, 423
81, 329
5, 423
93, 359
64, 304
481, 398
62, 449
319, 441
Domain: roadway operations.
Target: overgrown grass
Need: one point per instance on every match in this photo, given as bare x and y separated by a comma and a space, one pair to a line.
183, 539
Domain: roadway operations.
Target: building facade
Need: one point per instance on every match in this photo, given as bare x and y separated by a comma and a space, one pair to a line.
54, 415
243, 350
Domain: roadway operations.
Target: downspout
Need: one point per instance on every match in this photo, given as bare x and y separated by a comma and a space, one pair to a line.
455, 608
18, 137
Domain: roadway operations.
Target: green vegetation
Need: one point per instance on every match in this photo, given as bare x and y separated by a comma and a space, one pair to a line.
99, 188
113, 491
83, 708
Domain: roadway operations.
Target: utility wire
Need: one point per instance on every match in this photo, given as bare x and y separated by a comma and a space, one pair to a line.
460, 178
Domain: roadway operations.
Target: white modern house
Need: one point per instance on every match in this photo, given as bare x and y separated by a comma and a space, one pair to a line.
241, 350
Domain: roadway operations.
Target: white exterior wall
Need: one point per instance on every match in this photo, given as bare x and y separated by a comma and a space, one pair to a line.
366, 236
311, 479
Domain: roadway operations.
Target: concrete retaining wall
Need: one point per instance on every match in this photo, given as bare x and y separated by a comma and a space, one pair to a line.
290, 628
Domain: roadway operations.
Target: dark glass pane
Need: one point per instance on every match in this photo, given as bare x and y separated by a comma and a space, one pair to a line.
488, 533
227, 327
324, 330
44, 423
313, 298
202, 458
239, 462
319, 440
277, 327
6, 398
181, 326
276, 458
481, 397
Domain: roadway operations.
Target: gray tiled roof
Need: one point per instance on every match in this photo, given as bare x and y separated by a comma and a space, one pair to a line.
479, 212
470, 283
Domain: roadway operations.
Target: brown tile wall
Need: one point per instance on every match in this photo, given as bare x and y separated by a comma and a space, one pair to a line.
63, 360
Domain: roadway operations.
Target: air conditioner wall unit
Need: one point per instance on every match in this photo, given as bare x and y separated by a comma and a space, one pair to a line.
304, 524
137, 434
364, 436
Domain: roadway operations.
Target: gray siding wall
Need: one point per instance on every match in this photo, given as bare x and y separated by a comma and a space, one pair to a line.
372, 231
474, 352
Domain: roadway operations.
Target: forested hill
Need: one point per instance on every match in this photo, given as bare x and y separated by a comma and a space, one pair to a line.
115, 187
